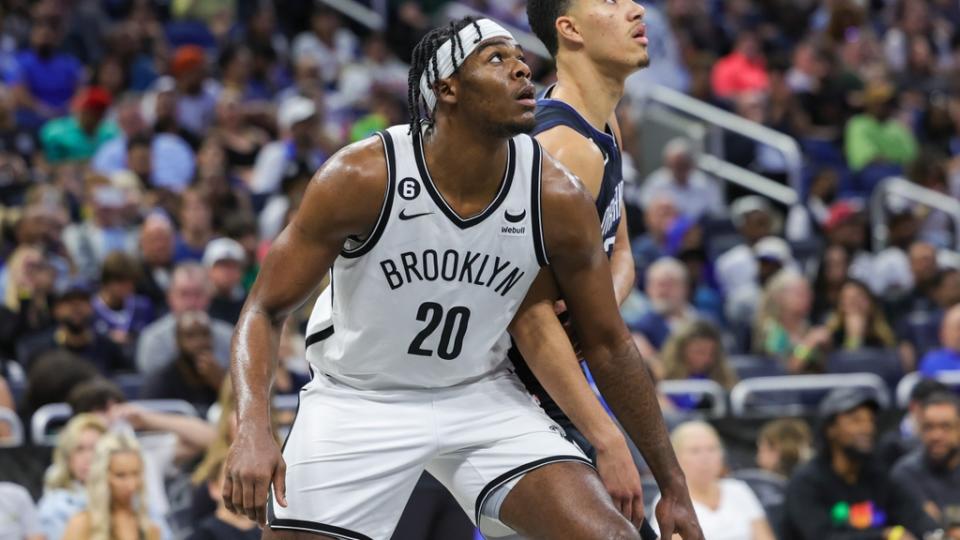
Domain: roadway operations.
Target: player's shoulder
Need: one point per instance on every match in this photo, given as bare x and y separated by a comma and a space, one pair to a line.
568, 207
362, 164
572, 148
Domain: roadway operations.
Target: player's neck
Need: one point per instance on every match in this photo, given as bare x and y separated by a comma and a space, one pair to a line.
465, 165
588, 89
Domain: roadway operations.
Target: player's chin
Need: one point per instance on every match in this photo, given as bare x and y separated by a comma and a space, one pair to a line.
523, 123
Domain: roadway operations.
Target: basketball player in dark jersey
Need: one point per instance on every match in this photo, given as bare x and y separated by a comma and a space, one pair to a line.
597, 45
477, 111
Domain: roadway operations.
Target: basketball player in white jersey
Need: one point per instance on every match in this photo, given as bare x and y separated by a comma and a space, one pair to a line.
433, 237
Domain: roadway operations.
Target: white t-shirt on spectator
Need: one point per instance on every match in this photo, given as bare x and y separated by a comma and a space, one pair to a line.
18, 515
733, 519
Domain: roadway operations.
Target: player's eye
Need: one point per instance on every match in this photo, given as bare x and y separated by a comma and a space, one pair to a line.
496, 58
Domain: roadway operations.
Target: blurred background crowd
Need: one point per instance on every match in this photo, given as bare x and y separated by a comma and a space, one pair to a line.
151, 150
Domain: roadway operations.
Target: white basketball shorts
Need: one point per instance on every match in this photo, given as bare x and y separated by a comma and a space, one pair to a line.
354, 456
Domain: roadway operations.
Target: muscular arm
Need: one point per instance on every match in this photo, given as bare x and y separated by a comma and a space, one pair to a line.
335, 206
339, 203
543, 342
582, 272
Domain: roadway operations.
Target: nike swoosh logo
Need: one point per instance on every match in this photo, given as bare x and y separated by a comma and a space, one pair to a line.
514, 218
405, 217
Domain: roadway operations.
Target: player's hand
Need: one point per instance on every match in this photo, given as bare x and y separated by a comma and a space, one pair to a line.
675, 515
253, 464
619, 475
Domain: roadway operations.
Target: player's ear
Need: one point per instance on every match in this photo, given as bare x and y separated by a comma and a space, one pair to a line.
447, 90
566, 27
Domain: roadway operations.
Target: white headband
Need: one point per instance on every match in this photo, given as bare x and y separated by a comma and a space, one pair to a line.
470, 38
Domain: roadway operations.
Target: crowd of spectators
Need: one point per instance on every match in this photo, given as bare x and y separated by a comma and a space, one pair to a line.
151, 151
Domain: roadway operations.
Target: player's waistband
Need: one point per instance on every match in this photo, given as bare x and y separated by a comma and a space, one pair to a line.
501, 380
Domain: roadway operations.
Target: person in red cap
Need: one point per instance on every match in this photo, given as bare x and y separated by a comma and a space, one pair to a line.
78, 136
196, 94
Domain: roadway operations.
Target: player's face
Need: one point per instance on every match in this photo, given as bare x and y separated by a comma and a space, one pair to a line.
494, 90
613, 32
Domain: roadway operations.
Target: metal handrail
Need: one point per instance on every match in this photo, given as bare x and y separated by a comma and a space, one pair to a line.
743, 389
51, 412
731, 122
16, 428
906, 189
374, 19
906, 384
747, 179
699, 387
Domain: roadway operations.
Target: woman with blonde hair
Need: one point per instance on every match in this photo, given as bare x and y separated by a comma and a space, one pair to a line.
782, 329
726, 508
695, 351
117, 507
64, 492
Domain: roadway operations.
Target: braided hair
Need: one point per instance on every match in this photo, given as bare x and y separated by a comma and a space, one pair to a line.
425, 60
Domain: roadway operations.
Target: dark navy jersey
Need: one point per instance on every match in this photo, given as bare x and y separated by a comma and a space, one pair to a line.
552, 113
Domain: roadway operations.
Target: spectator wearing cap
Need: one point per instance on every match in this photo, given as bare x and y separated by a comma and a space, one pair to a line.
770, 255
896, 443
157, 241
743, 70
74, 333
842, 493
932, 471
754, 217
43, 77
196, 95
947, 358
196, 227
298, 121
874, 137
119, 312
226, 260
195, 375
105, 230
846, 227
697, 195
78, 136
189, 291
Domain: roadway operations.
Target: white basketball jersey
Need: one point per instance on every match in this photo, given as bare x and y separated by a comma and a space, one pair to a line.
425, 300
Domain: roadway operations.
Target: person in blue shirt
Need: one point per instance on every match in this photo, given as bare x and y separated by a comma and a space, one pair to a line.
43, 78
946, 358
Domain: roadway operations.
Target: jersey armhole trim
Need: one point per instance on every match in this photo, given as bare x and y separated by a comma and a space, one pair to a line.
319, 336
518, 472
384, 216
539, 246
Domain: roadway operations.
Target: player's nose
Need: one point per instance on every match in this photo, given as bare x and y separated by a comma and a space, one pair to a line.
636, 11
522, 71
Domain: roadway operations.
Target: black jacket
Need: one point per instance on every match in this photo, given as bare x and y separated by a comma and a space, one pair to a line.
822, 506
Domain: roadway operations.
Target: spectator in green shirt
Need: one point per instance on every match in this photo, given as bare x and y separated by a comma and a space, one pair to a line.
874, 137
78, 136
